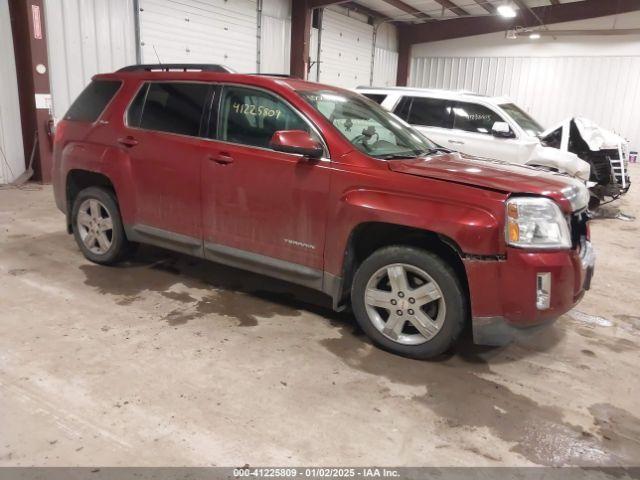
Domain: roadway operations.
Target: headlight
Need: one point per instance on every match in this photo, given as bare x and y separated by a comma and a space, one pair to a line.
536, 223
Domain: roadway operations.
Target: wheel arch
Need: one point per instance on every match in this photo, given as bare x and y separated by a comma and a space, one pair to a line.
365, 238
76, 181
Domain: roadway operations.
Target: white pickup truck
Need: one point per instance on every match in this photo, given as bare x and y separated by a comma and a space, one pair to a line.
496, 128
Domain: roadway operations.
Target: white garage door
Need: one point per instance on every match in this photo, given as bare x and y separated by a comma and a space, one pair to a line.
85, 38
345, 52
12, 163
200, 31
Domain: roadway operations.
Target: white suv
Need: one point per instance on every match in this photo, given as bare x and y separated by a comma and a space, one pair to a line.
490, 127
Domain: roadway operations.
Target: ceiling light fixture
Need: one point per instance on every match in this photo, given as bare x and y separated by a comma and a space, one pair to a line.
534, 36
507, 11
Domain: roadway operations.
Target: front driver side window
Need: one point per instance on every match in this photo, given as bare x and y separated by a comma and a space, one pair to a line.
471, 117
251, 117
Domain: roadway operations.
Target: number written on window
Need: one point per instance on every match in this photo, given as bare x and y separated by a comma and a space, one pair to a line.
256, 110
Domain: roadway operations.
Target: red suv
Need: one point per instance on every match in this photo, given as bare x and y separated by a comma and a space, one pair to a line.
321, 187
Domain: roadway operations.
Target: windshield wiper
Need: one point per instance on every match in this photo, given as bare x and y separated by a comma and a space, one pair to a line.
415, 154
441, 150
397, 156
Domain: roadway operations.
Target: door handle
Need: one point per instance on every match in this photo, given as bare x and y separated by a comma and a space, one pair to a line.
456, 142
128, 141
222, 158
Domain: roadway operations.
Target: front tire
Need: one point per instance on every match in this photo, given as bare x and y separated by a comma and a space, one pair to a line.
409, 302
97, 226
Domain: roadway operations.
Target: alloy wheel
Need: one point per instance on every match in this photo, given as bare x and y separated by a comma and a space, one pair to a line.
405, 304
95, 226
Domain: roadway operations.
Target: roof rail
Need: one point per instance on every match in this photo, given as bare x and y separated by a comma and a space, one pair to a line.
282, 75
185, 67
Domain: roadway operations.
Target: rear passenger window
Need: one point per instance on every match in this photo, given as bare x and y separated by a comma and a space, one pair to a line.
430, 112
251, 117
92, 101
471, 117
169, 107
376, 97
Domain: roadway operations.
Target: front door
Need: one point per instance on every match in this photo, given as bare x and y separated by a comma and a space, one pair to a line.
263, 210
472, 133
166, 151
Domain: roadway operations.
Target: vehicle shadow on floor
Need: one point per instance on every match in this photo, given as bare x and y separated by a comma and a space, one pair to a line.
248, 297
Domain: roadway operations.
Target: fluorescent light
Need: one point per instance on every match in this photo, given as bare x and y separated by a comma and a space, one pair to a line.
506, 11
534, 36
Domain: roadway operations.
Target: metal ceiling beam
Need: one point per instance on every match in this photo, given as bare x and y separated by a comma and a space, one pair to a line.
555, 2
356, 7
487, 5
527, 13
400, 5
453, 7
323, 3
564, 12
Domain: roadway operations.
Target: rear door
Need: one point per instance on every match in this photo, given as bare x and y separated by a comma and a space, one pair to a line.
431, 116
164, 141
263, 210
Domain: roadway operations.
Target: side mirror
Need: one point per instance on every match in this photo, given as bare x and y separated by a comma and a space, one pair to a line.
297, 142
502, 130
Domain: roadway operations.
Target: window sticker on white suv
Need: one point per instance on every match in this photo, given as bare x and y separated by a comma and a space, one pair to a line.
475, 118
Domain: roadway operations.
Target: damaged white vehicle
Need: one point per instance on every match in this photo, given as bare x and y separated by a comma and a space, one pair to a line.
606, 153
494, 127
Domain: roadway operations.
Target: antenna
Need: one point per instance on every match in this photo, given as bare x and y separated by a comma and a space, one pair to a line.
156, 52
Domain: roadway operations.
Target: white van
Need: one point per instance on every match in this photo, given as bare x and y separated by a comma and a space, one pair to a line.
496, 128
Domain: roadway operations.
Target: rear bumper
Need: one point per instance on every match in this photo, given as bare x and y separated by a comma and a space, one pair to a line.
505, 293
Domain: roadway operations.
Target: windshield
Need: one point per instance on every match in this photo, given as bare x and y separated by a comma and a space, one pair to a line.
367, 126
523, 119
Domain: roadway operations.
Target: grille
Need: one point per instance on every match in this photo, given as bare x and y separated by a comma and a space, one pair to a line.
601, 171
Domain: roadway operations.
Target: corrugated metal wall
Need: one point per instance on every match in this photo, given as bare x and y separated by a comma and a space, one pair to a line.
604, 89
85, 37
345, 51
196, 31
12, 163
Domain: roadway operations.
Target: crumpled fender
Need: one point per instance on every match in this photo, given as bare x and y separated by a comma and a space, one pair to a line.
559, 160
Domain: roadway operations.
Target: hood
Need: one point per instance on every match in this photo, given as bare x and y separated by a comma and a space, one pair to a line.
596, 137
496, 175
562, 160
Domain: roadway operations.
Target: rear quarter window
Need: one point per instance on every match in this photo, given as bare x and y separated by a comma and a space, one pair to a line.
376, 97
92, 101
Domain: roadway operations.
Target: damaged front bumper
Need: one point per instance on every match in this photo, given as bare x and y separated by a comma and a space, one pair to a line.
531, 290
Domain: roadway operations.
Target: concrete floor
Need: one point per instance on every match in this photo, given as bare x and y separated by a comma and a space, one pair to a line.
173, 361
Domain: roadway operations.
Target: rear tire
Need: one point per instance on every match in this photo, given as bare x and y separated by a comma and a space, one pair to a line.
409, 302
97, 226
